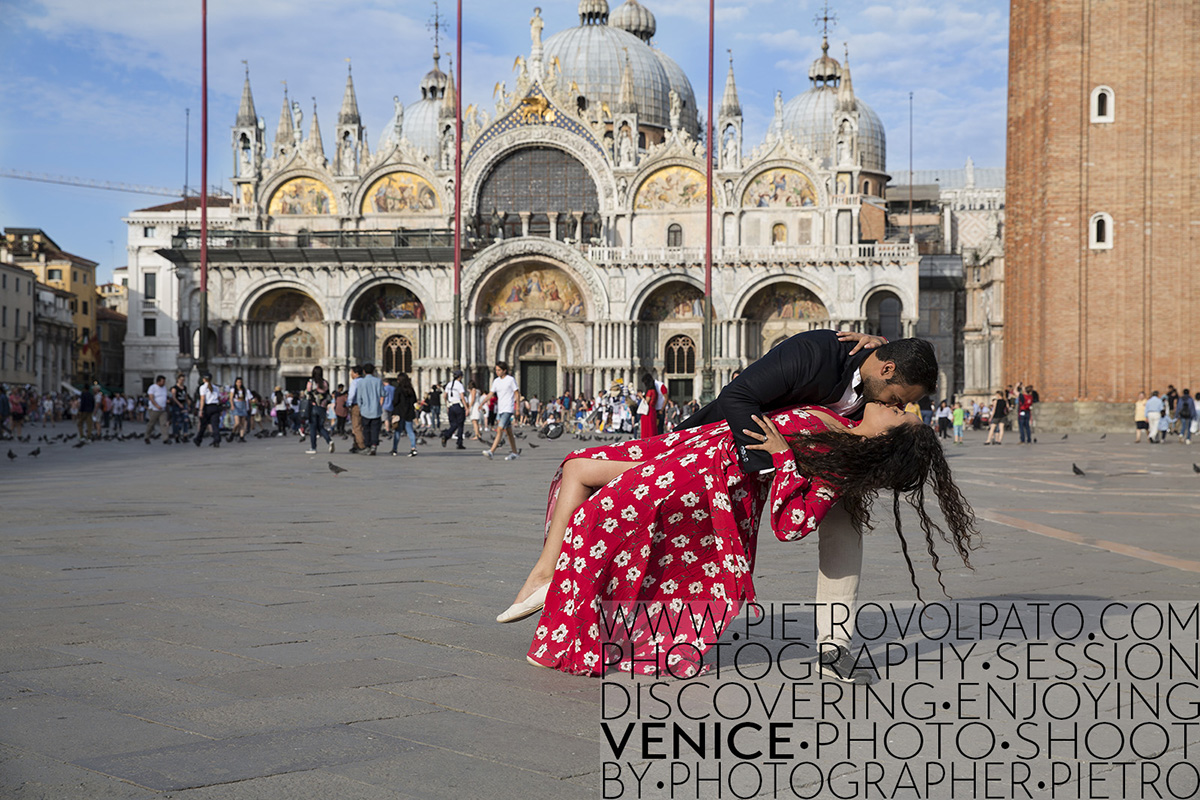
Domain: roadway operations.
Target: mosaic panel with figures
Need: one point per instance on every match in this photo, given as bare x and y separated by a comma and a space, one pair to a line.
400, 193
302, 196
674, 302
390, 302
785, 301
533, 288
780, 188
671, 187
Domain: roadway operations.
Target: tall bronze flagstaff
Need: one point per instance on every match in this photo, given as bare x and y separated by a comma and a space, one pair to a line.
203, 186
707, 382
458, 190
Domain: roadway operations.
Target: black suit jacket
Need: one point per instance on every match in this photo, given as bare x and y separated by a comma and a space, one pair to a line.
812, 368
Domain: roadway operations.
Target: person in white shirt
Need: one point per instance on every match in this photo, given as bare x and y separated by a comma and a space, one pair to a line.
504, 389
156, 412
210, 411
456, 410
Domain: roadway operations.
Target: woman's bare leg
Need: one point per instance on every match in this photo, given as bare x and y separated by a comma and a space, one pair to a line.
580, 480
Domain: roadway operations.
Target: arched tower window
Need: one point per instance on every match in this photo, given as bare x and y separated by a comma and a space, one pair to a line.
1102, 104
680, 356
884, 312
674, 235
397, 354
1100, 232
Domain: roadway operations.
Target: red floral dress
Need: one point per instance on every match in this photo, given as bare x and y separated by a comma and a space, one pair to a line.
656, 563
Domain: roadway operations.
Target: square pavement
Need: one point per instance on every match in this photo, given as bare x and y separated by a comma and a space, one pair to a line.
239, 622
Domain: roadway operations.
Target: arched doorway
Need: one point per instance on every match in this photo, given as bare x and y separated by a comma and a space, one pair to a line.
884, 315
397, 354
670, 322
285, 328
537, 357
386, 328
778, 311
679, 368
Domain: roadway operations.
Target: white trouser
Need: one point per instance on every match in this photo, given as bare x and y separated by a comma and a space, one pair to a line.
1152, 418
840, 553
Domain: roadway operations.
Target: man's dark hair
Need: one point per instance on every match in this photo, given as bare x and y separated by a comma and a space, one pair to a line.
503, 365
160, 378
915, 360
368, 369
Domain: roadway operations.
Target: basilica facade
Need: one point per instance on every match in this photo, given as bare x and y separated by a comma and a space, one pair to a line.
583, 213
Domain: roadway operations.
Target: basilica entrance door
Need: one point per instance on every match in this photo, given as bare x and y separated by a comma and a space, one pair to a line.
537, 357
539, 378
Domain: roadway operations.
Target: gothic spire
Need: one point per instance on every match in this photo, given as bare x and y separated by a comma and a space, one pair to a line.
247, 117
447, 110
349, 113
845, 95
314, 133
284, 132
730, 107
627, 100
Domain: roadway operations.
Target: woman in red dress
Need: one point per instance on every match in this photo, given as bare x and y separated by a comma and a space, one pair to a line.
649, 416
654, 564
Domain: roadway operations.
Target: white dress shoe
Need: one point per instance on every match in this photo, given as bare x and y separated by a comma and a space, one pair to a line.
527, 607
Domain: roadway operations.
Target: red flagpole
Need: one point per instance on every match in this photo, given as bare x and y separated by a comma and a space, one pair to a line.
458, 52
707, 383
203, 184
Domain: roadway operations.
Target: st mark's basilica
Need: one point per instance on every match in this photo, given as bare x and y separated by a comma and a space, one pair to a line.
583, 193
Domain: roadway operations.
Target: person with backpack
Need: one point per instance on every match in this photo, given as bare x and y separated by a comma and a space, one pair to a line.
404, 411
317, 397
1185, 410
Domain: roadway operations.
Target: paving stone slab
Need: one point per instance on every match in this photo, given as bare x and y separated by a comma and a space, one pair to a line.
32, 776
432, 773
241, 758
315, 677
314, 784
519, 745
105, 686
244, 717
68, 730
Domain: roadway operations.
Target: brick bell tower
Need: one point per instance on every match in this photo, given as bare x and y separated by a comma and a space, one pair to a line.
1103, 209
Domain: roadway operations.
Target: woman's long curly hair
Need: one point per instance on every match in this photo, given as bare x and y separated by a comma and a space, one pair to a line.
903, 459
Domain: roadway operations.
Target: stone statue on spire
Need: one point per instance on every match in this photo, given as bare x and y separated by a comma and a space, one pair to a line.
536, 24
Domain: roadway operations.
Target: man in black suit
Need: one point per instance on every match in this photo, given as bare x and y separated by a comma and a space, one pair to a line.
842, 372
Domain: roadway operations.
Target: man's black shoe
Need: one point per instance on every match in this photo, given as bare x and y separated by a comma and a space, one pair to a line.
837, 663
446, 439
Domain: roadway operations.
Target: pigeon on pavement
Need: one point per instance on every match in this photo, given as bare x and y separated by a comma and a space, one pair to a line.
1077, 470
335, 469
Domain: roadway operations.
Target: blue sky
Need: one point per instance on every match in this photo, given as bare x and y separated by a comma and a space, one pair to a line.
98, 89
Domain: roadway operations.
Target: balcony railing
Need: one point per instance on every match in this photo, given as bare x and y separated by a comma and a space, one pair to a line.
270, 240
252, 247
760, 254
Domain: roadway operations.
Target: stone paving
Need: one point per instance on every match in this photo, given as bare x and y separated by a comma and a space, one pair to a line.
241, 623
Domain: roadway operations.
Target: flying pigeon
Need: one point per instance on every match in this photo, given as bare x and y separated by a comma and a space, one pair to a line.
335, 469
1077, 470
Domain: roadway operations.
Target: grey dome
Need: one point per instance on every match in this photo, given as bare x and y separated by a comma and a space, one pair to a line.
593, 56
809, 119
421, 125
634, 18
